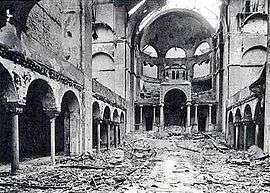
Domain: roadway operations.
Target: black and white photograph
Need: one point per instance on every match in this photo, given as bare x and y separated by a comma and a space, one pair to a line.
134, 96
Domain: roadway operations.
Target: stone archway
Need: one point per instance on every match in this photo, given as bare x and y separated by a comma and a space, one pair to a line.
8, 94
35, 121
249, 128
239, 137
259, 121
175, 108
68, 125
96, 120
231, 130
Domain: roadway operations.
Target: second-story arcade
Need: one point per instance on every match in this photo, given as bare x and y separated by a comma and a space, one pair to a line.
176, 65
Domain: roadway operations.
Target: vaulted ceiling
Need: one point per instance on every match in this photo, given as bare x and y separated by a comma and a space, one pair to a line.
177, 28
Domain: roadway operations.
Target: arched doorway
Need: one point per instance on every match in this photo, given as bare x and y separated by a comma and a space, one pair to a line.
104, 126
231, 130
35, 122
175, 108
122, 126
7, 94
239, 137
250, 127
96, 120
117, 133
259, 121
67, 134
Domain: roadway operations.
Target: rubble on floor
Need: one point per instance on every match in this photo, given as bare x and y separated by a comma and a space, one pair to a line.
152, 162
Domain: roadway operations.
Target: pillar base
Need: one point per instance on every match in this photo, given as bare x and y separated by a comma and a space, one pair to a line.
189, 129
210, 127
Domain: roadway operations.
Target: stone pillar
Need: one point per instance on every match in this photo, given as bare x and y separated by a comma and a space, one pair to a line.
116, 135
196, 129
52, 114
109, 135
257, 133
245, 135
210, 126
14, 110
236, 135
141, 118
188, 117
267, 93
161, 117
154, 118
98, 135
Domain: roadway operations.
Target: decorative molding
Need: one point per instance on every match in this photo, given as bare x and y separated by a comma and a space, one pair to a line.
19, 58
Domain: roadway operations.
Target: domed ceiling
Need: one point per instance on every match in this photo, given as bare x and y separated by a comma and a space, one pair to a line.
183, 29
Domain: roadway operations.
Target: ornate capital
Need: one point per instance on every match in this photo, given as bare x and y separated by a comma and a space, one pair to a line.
14, 108
52, 113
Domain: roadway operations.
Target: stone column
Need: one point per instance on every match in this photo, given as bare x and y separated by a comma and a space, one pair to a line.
116, 135
98, 135
52, 115
188, 117
236, 135
154, 118
210, 126
257, 133
196, 129
141, 118
245, 134
14, 110
109, 135
161, 117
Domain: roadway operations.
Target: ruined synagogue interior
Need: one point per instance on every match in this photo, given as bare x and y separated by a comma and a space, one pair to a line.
134, 96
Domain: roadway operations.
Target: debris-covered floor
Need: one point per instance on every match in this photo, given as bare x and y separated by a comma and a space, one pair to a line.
149, 162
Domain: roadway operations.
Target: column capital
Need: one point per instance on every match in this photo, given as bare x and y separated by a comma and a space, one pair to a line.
188, 103
140, 105
13, 108
196, 104
52, 113
210, 105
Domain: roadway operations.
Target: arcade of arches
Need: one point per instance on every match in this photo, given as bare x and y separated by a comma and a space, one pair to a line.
76, 76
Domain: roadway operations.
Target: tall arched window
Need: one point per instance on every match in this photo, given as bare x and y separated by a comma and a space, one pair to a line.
202, 49
175, 53
150, 50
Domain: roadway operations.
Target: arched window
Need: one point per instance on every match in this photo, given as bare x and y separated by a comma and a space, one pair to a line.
150, 50
176, 53
202, 49
150, 71
201, 70
103, 69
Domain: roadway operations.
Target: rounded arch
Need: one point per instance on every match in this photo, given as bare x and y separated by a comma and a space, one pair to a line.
35, 120
259, 121
103, 32
230, 120
107, 113
202, 70
116, 116
39, 90
257, 47
176, 52
68, 125
103, 53
257, 15
238, 115
202, 48
8, 91
248, 112
150, 51
96, 110
104, 69
175, 107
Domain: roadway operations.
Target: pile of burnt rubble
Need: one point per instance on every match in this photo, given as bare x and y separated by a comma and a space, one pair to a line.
119, 169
